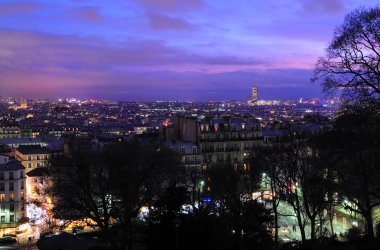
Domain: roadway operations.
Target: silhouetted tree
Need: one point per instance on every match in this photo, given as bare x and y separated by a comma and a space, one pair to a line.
81, 188
352, 60
353, 150
111, 185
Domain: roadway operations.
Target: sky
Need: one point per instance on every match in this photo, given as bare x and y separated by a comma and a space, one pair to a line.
165, 49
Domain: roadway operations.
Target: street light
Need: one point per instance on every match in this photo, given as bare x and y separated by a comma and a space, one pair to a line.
176, 222
75, 234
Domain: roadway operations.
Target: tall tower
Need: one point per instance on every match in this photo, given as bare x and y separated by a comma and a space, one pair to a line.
254, 95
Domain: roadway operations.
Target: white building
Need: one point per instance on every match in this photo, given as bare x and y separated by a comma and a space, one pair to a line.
12, 194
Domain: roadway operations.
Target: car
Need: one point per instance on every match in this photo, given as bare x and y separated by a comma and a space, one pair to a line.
8, 239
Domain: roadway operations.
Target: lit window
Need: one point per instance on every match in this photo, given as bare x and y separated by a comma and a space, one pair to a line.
11, 197
2, 197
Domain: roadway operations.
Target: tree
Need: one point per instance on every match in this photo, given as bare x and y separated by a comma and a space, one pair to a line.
231, 187
297, 176
80, 187
111, 185
352, 60
353, 150
140, 171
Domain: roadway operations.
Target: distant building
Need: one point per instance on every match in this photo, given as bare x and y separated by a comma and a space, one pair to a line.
9, 129
12, 194
254, 96
212, 140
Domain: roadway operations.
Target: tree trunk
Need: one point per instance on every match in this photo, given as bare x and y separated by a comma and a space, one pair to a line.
369, 222
302, 227
312, 228
331, 219
274, 206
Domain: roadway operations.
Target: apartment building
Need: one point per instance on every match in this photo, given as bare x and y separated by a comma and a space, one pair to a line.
12, 194
32, 156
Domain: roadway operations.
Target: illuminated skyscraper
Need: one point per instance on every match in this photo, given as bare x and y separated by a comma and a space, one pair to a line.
253, 100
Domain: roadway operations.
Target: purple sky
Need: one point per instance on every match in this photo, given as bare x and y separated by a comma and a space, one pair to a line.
165, 49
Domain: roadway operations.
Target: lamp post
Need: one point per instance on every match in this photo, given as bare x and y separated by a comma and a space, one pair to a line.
75, 234
176, 222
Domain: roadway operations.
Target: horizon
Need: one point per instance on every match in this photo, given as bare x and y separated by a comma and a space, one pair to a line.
147, 50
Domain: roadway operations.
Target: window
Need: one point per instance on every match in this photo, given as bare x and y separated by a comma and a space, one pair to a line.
2, 218
11, 207
21, 174
38, 157
1, 175
29, 165
2, 208
38, 164
2, 197
11, 196
11, 186
2, 186
22, 185
10, 175
45, 157
22, 196
194, 150
11, 218
29, 157
183, 150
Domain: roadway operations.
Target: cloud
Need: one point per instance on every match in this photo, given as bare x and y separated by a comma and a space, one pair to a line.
162, 22
171, 5
20, 8
322, 7
43, 65
91, 14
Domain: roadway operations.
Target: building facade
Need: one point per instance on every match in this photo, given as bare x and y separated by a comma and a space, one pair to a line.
12, 194
212, 140
32, 156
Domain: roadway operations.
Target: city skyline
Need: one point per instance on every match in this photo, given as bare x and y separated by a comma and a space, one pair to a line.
165, 50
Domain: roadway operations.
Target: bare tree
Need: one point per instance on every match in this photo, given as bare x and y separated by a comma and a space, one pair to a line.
80, 187
352, 60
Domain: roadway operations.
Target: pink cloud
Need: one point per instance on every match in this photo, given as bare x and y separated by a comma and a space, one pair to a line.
162, 22
9, 9
172, 5
91, 14
322, 7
